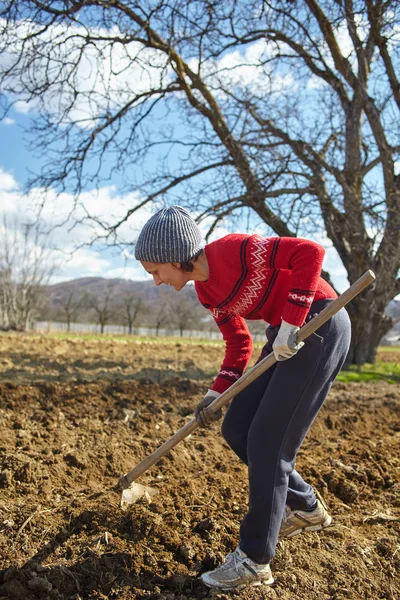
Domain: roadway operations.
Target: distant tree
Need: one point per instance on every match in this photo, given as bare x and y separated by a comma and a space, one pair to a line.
71, 305
289, 111
130, 307
25, 270
183, 313
160, 316
102, 305
161, 312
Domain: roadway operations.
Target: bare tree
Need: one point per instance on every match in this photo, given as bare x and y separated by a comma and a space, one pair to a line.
162, 310
160, 316
25, 270
288, 111
183, 313
102, 305
71, 304
130, 307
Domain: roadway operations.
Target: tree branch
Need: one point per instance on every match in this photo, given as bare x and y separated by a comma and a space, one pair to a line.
375, 14
176, 181
367, 168
363, 64
341, 63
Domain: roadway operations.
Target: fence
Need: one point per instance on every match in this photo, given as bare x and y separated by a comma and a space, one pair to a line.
391, 339
49, 326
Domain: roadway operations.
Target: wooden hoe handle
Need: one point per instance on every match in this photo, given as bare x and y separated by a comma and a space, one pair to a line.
252, 374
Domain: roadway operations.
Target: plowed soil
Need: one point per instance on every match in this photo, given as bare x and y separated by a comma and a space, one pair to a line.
76, 414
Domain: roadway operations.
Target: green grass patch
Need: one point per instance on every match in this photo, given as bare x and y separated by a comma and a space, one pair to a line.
380, 371
118, 337
107, 337
388, 348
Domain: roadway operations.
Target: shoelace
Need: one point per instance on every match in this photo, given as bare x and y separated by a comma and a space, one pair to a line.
234, 558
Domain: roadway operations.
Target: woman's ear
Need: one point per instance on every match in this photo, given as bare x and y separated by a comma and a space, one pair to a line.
176, 265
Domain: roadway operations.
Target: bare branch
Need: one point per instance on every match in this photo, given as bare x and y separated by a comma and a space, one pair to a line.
341, 63
376, 13
176, 181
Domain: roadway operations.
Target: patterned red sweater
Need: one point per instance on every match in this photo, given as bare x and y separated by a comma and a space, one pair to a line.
258, 278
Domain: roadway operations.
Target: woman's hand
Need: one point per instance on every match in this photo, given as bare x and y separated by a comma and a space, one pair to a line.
285, 345
203, 415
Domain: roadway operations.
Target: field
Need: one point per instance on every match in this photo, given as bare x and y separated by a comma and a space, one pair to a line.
76, 413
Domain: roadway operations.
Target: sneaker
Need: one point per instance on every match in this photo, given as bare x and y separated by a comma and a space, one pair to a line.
296, 521
237, 572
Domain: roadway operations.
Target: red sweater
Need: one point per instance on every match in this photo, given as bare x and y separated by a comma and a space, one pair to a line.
258, 278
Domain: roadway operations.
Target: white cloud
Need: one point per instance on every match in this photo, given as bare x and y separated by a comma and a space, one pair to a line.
316, 83
82, 263
70, 229
7, 185
7, 121
79, 221
24, 107
107, 76
246, 69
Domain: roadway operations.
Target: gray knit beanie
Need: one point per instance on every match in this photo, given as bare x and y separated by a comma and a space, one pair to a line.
171, 235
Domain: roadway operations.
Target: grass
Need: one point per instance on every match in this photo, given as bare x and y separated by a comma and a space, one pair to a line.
121, 337
389, 349
380, 371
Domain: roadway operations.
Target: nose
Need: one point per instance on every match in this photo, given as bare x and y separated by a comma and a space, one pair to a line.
157, 279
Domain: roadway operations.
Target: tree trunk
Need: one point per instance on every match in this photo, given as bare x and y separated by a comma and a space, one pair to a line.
369, 324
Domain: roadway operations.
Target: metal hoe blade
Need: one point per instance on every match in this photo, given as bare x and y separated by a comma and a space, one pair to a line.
135, 492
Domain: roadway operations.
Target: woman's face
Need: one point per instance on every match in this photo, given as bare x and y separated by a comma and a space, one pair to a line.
167, 273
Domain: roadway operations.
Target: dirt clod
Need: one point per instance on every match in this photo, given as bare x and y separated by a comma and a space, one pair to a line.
39, 586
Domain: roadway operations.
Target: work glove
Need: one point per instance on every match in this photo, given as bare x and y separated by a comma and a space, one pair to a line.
203, 415
285, 345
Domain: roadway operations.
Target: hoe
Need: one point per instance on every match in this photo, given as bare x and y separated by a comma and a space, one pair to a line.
133, 491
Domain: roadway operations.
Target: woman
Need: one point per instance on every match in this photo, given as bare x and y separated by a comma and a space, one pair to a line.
277, 280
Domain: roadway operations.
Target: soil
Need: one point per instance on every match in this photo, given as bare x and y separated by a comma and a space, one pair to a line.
76, 414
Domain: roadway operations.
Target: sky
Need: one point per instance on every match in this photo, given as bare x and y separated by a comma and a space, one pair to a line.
70, 249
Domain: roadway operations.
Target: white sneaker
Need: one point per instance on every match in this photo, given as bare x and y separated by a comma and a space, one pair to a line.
237, 572
296, 521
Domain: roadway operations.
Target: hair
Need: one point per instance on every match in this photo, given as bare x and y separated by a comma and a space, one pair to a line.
187, 266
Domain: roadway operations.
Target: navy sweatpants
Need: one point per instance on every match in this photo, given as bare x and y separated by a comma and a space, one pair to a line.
266, 423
